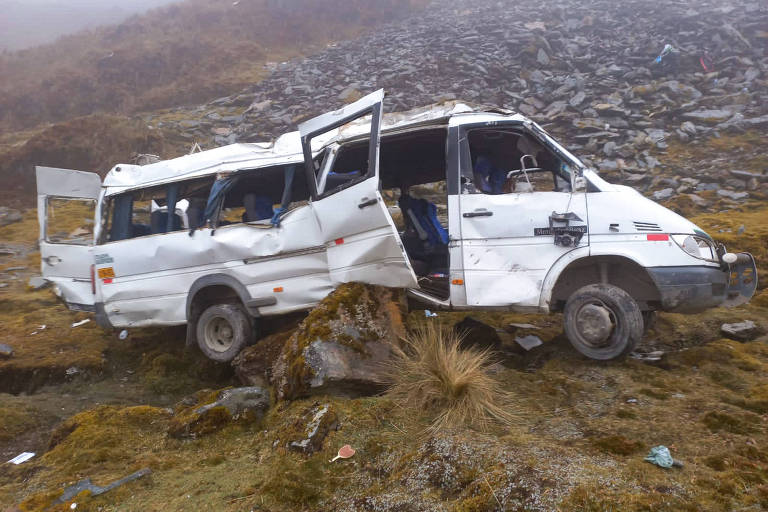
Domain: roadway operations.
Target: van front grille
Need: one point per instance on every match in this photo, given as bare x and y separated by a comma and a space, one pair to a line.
646, 226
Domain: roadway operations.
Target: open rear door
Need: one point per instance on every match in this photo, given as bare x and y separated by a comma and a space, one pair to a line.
361, 239
66, 206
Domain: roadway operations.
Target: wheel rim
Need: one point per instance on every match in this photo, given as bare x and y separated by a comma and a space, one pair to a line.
595, 324
219, 334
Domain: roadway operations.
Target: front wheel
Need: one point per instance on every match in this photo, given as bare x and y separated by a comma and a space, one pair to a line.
223, 330
603, 321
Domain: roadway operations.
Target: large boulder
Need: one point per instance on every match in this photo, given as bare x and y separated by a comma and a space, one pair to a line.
253, 366
341, 346
208, 412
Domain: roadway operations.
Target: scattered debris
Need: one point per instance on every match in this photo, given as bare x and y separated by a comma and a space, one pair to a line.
39, 328
6, 351
529, 342
741, 331
38, 282
95, 490
21, 458
123, 335
656, 355
81, 322
429, 314
345, 452
523, 326
661, 456
72, 370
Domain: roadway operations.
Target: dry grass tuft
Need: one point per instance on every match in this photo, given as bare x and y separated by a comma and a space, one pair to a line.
432, 375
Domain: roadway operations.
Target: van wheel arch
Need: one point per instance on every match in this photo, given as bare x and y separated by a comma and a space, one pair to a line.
214, 289
618, 271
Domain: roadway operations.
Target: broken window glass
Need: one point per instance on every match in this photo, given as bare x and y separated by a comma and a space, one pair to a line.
156, 210
69, 221
258, 196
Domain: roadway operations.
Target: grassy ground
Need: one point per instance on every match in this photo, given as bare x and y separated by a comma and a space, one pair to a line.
583, 427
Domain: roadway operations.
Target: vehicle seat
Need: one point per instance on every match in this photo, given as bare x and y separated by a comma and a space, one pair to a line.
257, 207
422, 216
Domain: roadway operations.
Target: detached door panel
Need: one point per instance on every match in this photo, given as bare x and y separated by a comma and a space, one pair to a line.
66, 206
362, 242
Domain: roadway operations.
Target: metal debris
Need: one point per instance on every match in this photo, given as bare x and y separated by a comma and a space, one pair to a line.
87, 485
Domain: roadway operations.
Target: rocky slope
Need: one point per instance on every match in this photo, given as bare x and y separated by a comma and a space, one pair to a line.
586, 70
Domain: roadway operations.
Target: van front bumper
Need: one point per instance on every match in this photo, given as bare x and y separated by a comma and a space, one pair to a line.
695, 289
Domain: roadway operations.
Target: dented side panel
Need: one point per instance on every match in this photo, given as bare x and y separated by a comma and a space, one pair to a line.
153, 274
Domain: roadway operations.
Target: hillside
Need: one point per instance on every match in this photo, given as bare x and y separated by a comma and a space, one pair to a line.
180, 54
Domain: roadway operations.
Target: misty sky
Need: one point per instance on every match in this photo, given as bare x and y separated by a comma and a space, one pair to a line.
25, 23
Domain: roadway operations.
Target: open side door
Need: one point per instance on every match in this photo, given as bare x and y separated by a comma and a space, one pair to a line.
66, 206
361, 239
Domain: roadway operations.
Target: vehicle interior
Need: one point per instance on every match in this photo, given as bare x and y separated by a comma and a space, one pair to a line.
256, 195
145, 211
413, 184
507, 161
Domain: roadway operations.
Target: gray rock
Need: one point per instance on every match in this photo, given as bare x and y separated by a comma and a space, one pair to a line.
9, 216
358, 325
577, 99
688, 127
6, 351
318, 421
542, 57
709, 116
730, 194
609, 149
741, 331
239, 401
664, 194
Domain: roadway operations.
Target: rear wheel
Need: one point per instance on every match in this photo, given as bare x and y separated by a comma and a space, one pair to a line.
223, 330
603, 321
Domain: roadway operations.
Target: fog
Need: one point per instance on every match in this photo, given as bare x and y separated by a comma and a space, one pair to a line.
25, 23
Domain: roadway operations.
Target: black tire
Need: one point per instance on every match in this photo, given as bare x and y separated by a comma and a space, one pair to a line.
603, 321
223, 330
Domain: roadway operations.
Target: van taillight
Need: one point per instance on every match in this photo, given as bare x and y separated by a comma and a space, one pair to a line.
93, 279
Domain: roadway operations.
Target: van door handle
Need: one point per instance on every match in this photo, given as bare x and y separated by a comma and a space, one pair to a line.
369, 202
478, 213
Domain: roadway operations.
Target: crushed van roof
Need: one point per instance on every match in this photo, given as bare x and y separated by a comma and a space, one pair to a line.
286, 149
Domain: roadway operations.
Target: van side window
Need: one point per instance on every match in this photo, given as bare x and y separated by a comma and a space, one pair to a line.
258, 195
155, 210
507, 161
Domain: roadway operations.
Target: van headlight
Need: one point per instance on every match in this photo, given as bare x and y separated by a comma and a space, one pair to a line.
697, 246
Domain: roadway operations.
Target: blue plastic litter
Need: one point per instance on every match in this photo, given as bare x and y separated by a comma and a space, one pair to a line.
429, 314
660, 456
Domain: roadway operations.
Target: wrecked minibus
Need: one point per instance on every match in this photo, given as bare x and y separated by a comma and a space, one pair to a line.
466, 208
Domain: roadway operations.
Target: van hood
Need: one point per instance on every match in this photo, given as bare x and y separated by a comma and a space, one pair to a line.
636, 213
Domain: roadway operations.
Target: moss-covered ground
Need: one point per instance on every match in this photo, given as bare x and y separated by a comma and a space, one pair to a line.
583, 432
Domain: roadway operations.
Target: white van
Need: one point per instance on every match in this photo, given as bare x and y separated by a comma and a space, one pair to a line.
465, 209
